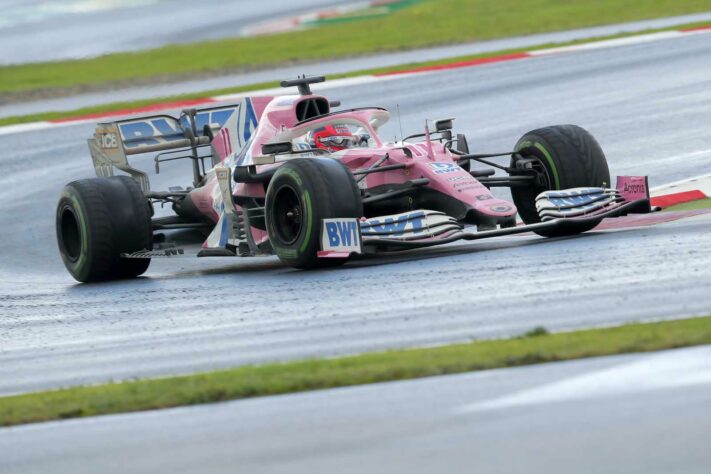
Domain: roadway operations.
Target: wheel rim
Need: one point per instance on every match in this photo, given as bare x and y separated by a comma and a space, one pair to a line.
540, 167
287, 215
70, 234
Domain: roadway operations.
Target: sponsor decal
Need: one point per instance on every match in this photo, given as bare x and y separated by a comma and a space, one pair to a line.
459, 178
633, 188
483, 197
500, 208
108, 140
575, 201
395, 226
445, 168
469, 185
152, 131
340, 235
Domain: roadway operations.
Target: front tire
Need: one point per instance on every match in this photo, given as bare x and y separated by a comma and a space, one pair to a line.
97, 220
566, 156
302, 192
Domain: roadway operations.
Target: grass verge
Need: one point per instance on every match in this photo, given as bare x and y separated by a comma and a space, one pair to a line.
127, 105
537, 346
691, 206
426, 23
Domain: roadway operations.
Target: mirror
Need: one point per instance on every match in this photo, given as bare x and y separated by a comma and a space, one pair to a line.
444, 124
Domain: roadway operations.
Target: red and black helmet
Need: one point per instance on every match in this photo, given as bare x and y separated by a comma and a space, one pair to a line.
333, 138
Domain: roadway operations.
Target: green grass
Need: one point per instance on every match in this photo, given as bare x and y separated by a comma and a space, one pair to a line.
426, 23
252, 381
114, 106
692, 205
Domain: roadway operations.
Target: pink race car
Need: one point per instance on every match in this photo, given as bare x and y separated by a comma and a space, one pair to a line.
289, 176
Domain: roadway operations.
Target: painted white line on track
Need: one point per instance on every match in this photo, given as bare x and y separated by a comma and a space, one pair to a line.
24, 127
691, 154
670, 369
34, 126
612, 43
683, 181
697, 183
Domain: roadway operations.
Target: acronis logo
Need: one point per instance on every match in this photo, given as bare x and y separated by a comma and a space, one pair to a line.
394, 226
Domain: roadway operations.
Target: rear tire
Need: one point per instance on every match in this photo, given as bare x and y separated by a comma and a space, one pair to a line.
569, 157
97, 220
302, 192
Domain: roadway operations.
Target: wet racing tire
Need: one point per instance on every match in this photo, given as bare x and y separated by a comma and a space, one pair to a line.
567, 156
302, 192
97, 220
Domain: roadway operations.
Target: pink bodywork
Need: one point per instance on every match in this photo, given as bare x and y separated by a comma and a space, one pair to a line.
429, 159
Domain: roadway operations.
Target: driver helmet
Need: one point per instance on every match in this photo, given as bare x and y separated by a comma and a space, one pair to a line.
333, 138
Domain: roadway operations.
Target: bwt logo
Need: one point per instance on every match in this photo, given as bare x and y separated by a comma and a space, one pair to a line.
444, 168
575, 200
342, 234
156, 130
413, 223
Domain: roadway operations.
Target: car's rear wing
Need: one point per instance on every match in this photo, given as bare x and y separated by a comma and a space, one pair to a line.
113, 142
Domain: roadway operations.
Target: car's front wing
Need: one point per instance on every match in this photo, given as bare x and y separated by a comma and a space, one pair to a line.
431, 228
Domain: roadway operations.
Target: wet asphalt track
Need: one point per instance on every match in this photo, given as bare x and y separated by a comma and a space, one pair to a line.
647, 104
633, 414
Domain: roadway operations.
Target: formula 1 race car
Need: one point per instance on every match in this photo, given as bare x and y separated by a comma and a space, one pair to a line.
289, 176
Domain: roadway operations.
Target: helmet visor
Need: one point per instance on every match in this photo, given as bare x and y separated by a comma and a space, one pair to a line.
341, 141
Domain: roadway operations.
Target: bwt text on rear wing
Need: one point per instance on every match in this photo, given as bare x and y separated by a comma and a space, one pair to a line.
168, 136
